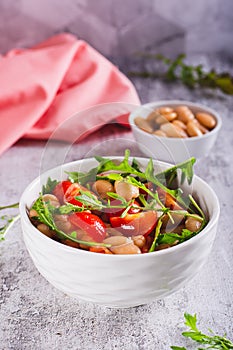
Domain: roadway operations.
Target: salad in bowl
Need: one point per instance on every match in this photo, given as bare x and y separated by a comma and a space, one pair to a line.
119, 231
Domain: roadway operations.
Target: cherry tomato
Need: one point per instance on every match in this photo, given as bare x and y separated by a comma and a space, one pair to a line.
90, 223
60, 189
135, 224
73, 191
111, 212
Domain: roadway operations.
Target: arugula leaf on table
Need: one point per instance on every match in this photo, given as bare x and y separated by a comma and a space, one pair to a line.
7, 220
211, 341
10, 206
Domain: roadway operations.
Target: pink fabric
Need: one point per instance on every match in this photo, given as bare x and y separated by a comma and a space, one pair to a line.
43, 86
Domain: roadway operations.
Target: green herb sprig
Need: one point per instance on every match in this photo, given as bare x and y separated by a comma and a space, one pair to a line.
190, 75
7, 221
210, 341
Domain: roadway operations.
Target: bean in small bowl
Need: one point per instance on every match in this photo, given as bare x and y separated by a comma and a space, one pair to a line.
173, 131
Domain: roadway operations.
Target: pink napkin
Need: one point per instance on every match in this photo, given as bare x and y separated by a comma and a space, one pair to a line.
43, 86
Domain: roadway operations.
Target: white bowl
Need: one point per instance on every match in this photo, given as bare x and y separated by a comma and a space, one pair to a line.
117, 280
174, 150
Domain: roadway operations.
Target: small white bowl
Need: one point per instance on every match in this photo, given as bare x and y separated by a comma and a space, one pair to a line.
118, 280
174, 150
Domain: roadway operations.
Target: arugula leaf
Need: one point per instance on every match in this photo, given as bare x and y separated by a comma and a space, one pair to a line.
68, 208
118, 197
44, 214
89, 200
15, 205
186, 172
178, 348
157, 232
82, 178
199, 210
107, 164
171, 237
191, 321
50, 185
211, 341
110, 177
149, 172
8, 222
136, 165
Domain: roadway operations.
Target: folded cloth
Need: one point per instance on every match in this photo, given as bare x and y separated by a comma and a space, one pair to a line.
43, 86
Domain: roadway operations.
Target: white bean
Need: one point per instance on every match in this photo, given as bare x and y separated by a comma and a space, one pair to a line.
128, 248
206, 120
53, 200
126, 190
102, 187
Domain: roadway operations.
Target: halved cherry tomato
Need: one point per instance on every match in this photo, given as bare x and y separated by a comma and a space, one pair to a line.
60, 190
168, 200
73, 191
111, 212
90, 223
135, 224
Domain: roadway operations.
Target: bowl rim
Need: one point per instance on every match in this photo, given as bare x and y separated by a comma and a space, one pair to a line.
176, 102
24, 217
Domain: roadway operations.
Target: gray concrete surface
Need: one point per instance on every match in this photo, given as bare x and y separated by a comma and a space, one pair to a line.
35, 316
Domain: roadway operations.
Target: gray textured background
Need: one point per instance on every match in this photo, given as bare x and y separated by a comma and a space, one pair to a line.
122, 27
